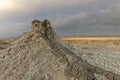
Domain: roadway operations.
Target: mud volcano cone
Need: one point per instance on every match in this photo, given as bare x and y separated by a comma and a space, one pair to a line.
40, 54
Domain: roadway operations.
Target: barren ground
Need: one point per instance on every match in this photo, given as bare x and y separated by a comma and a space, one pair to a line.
102, 45
103, 52
109, 46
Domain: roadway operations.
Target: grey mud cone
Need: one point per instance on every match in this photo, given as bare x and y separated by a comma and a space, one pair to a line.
40, 54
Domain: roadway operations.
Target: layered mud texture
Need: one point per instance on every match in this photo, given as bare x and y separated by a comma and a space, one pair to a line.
40, 54
4, 43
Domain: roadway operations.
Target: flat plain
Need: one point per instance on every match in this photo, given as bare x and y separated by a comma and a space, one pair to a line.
106, 45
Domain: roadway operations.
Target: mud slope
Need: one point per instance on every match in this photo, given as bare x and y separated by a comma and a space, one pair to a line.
41, 55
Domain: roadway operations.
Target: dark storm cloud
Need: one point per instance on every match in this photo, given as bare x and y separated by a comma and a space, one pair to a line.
102, 19
70, 17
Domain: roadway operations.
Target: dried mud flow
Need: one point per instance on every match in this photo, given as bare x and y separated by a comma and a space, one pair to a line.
40, 54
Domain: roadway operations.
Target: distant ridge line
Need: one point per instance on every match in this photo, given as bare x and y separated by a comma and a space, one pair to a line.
91, 38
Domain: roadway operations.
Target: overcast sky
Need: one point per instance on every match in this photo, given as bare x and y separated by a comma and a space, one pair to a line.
68, 17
